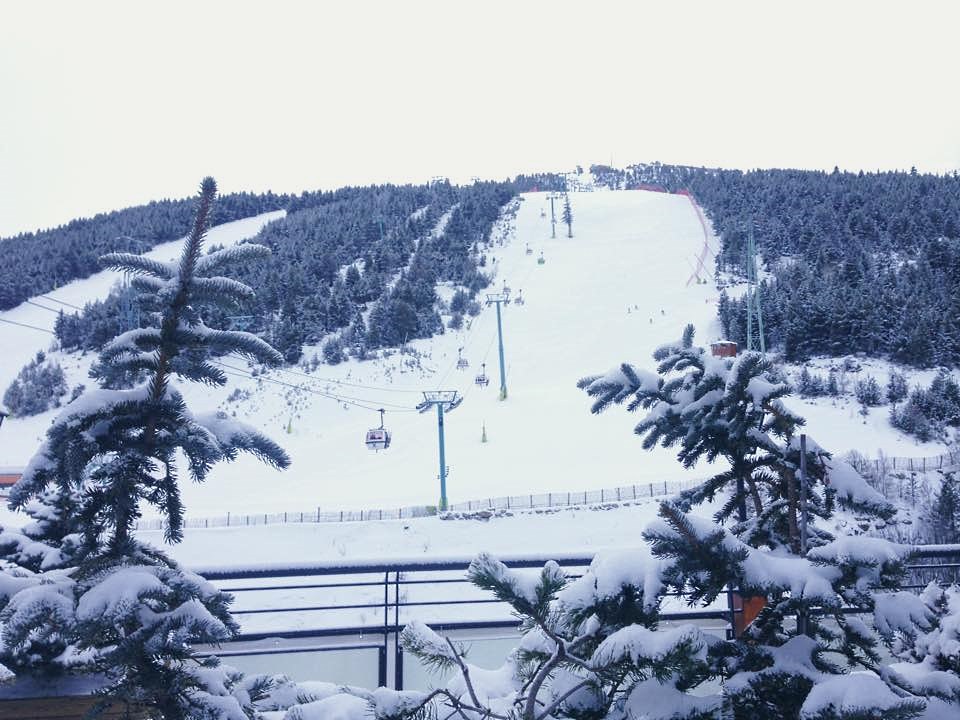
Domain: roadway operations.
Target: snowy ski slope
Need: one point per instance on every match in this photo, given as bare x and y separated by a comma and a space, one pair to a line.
629, 248
613, 292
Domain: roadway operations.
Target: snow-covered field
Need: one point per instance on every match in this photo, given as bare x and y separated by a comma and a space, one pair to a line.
613, 292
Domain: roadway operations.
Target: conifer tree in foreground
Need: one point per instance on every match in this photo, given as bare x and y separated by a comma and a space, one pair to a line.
713, 408
716, 407
80, 592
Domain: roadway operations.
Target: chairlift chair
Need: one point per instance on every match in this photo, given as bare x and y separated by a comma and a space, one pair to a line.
462, 363
541, 260
482, 379
519, 298
529, 249
378, 438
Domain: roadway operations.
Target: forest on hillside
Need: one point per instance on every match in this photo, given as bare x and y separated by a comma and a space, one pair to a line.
359, 265
38, 262
858, 262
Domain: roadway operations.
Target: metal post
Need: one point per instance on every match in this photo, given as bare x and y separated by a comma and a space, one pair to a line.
497, 299
756, 301
443, 460
444, 401
386, 630
382, 665
503, 372
732, 631
397, 649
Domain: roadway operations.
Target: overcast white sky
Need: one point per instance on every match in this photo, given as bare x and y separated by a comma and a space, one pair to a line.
109, 104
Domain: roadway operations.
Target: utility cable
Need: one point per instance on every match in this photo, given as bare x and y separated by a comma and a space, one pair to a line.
347, 397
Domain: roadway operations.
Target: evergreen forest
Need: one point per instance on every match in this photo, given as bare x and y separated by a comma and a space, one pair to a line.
857, 262
359, 265
38, 262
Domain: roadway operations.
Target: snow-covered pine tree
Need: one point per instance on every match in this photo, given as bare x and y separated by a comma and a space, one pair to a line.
38, 387
78, 585
709, 407
568, 215
122, 444
713, 407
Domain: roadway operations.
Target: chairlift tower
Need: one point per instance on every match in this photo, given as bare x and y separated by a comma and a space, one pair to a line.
753, 296
553, 214
499, 299
443, 401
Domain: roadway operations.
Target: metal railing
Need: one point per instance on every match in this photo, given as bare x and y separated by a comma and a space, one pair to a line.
366, 606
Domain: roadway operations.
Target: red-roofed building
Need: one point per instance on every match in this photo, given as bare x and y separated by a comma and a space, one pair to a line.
9, 476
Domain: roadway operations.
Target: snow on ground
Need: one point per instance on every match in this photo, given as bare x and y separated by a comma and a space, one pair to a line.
568, 531
831, 419
612, 293
629, 252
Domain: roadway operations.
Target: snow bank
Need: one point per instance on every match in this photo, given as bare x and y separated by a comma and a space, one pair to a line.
849, 694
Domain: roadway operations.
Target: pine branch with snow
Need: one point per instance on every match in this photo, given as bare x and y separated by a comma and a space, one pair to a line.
432, 650
529, 598
926, 638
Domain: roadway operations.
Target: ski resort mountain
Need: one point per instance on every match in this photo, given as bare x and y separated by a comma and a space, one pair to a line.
629, 276
619, 285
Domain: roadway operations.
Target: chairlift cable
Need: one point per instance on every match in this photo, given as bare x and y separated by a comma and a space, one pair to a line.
32, 327
60, 302
378, 388
43, 307
320, 392
314, 392
239, 372
361, 386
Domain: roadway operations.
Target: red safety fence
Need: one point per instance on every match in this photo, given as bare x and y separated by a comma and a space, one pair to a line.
702, 257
